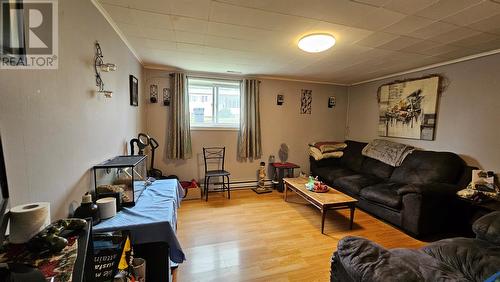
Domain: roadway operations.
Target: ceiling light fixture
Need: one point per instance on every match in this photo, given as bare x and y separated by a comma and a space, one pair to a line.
316, 42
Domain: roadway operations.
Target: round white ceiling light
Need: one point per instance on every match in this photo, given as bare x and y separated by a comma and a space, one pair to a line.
316, 42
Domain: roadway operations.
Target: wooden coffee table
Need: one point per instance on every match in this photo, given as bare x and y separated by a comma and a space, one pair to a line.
331, 200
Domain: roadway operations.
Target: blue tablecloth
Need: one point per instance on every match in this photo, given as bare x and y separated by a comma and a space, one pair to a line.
153, 218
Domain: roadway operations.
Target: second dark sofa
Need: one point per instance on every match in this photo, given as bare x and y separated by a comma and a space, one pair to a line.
417, 196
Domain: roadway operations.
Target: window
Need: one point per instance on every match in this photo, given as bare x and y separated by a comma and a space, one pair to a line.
214, 102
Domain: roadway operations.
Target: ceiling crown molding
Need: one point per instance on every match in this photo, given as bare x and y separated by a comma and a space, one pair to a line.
117, 30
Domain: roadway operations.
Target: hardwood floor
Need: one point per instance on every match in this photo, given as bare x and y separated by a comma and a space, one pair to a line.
263, 238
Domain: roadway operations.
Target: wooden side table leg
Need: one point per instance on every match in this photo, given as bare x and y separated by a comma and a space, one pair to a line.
323, 215
281, 175
352, 207
286, 189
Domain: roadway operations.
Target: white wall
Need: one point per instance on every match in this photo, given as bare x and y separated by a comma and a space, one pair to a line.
54, 128
279, 124
468, 112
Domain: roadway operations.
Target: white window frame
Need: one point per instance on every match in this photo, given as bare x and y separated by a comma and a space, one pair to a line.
215, 89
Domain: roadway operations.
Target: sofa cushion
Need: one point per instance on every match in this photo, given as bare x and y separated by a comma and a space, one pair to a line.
329, 174
488, 228
475, 259
376, 167
352, 157
423, 167
353, 184
383, 193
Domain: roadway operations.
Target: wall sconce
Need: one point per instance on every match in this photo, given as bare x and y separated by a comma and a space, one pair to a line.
99, 66
280, 99
331, 102
166, 96
153, 93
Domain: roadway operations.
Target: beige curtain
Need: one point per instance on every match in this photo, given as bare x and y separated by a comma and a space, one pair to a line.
179, 133
249, 139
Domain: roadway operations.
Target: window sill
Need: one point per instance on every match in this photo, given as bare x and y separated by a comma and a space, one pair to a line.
201, 128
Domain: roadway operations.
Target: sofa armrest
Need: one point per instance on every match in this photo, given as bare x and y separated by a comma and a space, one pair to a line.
435, 189
364, 260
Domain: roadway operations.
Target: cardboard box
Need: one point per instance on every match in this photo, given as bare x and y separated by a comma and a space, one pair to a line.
193, 193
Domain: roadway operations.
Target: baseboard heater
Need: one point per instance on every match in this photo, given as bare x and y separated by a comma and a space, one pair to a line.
238, 185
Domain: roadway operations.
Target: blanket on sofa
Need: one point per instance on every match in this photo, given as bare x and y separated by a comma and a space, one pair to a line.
388, 152
326, 149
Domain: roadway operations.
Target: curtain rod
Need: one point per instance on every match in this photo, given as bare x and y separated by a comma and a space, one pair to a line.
216, 77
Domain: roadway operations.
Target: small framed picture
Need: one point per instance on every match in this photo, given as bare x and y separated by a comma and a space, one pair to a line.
134, 90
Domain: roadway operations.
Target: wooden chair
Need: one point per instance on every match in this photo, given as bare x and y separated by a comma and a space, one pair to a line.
214, 157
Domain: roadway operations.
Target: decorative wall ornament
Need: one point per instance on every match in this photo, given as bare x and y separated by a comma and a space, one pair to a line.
306, 101
280, 99
407, 109
153, 93
101, 66
134, 90
331, 102
166, 96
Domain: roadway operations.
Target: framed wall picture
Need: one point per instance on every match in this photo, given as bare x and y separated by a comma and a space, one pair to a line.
407, 109
134, 90
306, 101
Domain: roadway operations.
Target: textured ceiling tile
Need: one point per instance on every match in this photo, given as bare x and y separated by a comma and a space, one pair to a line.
474, 14
260, 36
473, 41
143, 32
399, 43
160, 34
314, 9
376, 3
455, 35
190, 48
141, 42
130, 29
352, 34
191, 8
345, 12
420, 46
433, 30
445, 8
189, 24
189, 37
119, 14
408, 24
491, 24
147, 19
376, 39
157, 6
249, 17
408, 7
232, 44
378, 19
435, 51
459, 53
124, 3
241, 32
488, 46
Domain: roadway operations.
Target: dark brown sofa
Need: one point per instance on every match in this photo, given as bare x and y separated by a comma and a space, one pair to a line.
418, 196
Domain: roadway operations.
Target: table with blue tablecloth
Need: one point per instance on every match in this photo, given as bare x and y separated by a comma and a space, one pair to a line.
153, 219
